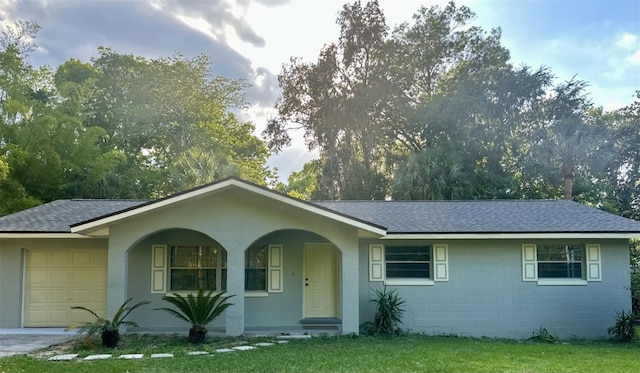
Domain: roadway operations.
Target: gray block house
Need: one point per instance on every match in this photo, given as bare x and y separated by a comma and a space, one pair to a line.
475, 268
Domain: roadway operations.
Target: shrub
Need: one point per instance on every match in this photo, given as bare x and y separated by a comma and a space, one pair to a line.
109, 330
197, 310
542, 335
388, 314
624, 328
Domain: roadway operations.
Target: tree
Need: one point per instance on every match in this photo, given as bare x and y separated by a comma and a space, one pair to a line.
338, 101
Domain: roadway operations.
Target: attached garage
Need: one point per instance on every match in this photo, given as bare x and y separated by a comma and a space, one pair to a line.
57, 279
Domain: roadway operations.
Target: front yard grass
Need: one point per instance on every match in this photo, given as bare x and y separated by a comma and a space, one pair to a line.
412, 353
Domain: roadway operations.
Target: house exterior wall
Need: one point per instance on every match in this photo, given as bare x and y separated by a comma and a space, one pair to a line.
236, 220
12, 271
485, 294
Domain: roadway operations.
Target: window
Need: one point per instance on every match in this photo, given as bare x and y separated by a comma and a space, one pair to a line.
408, 264
197, 267
188, 268
561, 264
255, 273
560, 261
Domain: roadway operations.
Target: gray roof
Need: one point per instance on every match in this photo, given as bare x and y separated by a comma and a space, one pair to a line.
499, 216
496, 216
58, 216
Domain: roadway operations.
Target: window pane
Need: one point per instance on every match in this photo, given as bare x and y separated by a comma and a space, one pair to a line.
194, 256
255, 279
256, 257
407, 253
408, 270
560, 270
193, 279
223, 280
560, 253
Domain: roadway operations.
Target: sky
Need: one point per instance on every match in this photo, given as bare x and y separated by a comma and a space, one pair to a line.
597, 41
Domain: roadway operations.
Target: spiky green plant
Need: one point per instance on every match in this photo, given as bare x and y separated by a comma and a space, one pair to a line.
198, 310
389, 312
624, 328
109, 330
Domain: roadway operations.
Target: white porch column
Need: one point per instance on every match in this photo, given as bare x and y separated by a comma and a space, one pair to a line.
350, 289
235, 286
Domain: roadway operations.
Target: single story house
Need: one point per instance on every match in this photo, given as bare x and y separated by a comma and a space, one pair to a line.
499, 268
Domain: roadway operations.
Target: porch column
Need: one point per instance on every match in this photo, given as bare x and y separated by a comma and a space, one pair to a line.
116, 275
235, 286
350, 290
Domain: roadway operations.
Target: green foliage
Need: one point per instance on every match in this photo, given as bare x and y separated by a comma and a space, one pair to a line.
542, 335
108, 329
198, 310
624, 328
389, 311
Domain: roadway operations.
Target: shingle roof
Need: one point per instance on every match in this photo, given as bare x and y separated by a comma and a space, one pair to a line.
58, 216
496, 216
499, 216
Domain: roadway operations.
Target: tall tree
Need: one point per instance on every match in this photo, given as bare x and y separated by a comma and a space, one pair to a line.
339, 102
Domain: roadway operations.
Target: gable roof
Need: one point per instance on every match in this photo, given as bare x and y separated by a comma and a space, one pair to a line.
99, 223
485, 217
58, 216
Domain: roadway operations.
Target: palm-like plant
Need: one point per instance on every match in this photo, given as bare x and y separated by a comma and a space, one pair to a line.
198, 310
109, 330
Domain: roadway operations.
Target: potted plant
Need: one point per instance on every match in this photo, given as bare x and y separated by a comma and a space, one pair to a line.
198, 310
109, 330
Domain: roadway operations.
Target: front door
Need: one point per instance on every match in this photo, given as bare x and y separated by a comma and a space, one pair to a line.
320, 281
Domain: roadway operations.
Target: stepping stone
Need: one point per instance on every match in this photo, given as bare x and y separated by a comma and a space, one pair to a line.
153, 356
264, 344
224, 350
97, 357
132, 356
244, 348
63, 357
294, 336
282, 342
194, 353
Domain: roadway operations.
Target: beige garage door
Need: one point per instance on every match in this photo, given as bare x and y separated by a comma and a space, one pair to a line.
59, 279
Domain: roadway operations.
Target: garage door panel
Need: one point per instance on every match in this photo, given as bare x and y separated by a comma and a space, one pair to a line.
83, 277
39, 277
81, 259
59, 259
59, 279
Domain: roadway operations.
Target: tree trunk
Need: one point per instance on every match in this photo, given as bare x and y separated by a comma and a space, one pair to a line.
568, 186
110, 338
197, 334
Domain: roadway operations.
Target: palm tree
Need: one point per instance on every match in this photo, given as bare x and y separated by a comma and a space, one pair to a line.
199, 310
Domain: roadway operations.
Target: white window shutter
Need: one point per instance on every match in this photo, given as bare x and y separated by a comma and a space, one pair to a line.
275, 269
529, 263
594, 272
440, 263
158, 269
376, 262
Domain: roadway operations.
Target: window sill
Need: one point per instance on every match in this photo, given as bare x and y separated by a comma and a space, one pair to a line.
408, 282
255, 294
562, 282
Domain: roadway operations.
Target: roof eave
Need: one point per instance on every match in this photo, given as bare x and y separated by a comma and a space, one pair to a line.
45, 235
507, 235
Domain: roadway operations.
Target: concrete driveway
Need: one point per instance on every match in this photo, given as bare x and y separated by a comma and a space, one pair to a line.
23, 341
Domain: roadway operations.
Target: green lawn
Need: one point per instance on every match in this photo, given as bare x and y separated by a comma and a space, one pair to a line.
359, 354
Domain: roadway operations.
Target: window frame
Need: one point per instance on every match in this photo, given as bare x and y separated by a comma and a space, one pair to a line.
248, 267
220, 267
590, 265
438, 264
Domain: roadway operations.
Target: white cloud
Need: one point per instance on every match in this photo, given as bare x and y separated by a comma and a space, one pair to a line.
635, 58
627, 41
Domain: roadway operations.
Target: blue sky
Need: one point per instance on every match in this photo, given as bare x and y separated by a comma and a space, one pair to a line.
596, 41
